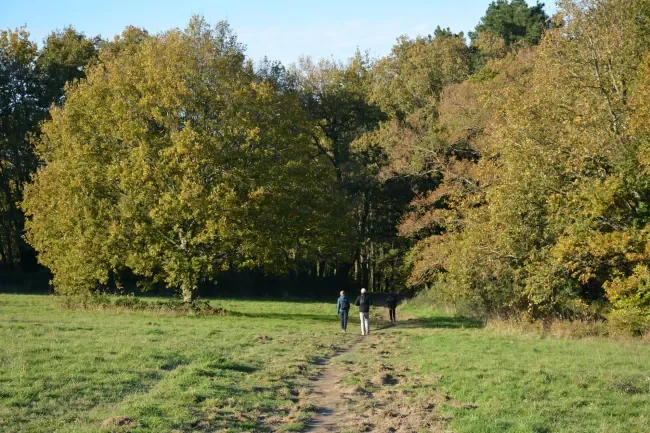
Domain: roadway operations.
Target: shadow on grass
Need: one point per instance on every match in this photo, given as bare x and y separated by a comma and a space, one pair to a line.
289, 316
232, 366
285, 300
444, 322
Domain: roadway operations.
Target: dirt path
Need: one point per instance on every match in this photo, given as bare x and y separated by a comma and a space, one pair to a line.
330, 413
332, 400
376, 392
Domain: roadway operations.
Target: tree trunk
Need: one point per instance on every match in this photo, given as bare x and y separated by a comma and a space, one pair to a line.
363, 228
3, 249
364, 268
10, 250
371, 266
189, 292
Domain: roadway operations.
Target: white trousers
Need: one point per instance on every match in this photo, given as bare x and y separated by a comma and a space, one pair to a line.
364, 323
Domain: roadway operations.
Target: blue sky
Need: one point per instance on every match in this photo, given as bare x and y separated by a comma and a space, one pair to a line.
282, 30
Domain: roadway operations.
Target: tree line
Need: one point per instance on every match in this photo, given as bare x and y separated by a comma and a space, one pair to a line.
507, 174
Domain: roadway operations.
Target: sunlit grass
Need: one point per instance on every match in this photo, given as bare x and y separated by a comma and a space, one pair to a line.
71, 371
87, 371
528, 383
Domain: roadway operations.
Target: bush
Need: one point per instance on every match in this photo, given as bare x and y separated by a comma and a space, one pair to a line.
630, 320
630, 298
130, 302
194, 307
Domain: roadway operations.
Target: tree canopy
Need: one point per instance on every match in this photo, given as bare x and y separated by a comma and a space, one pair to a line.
175, 161
541, 207
514, 21
30, 81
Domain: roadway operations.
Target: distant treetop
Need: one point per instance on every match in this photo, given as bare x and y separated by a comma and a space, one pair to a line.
514, 21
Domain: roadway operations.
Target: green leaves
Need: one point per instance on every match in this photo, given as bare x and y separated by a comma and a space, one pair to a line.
514, 21
541, 156
30, 81
175, 161
517, 173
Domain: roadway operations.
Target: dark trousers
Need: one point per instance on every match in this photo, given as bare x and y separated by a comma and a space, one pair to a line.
344, 319
391, 313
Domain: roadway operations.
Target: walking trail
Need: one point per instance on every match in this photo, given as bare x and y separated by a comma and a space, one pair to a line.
381, 393
336, 404
330, 414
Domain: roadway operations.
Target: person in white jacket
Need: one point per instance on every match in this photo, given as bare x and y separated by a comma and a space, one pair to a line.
364, 302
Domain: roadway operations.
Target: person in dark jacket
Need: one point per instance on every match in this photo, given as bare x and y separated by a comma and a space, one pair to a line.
342, 309
364, 302
391, 303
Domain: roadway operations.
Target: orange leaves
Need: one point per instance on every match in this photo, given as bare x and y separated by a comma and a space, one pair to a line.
544, 165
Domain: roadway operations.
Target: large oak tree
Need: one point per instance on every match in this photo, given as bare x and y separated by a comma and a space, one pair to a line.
174, 161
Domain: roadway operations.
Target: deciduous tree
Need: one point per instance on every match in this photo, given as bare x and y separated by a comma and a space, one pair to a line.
174, 160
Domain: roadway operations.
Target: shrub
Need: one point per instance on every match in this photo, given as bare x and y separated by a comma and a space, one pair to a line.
630, 298
629, 320
130, 302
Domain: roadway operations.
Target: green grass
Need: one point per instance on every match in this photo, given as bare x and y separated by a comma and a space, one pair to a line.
70, 371
497, 383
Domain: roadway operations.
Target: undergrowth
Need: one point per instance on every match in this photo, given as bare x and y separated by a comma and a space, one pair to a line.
130, 302
583, 321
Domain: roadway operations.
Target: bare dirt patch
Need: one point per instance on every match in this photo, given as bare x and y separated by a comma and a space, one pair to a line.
329, 405
373, 393
118, 421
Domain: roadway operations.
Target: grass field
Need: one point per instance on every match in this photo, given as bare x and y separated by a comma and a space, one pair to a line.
71, 371
482, 381
83, 371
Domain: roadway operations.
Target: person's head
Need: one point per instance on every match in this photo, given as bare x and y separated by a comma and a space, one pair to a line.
363, 290
342, 292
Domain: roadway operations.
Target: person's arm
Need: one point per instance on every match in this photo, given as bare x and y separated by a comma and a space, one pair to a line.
356, 303
338, 306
